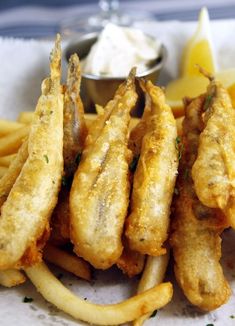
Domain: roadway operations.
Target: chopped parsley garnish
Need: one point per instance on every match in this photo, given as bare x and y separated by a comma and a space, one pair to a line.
179, 147
46, 158
67, 181
153, 314
210, 325
208, 102
176, 191
27, 299
134, 163
78, 158
232, 316
177, 140
64, 181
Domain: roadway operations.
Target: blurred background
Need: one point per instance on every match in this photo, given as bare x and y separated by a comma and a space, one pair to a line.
43, 18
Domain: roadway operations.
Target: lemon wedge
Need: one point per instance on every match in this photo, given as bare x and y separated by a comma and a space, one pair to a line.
199, 49
188, 86
192, 86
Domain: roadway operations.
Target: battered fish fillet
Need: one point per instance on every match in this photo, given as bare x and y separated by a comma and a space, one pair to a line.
8, 180
196, 228
132, 262
24, 221
213, 172
100, 191
12, 277
75, 132
154, 179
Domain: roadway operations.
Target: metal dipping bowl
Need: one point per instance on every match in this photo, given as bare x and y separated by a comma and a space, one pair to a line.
100, 89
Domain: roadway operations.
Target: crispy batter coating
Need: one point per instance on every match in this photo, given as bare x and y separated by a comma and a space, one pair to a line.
100, 191
154, 179
213, 172
12, 277
75, 132
24, 221
196, 228
131, 262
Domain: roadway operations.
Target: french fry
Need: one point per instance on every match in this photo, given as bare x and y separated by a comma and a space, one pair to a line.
3, 170
6, 160
153, 274
11, 277
68, 262
7, 126
25, 117
8, 180
10, 144
56, 293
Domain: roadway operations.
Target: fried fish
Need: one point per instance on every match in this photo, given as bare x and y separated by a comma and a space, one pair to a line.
196, 228
75, 132
99, 195
155, 175
213, 172
24, 221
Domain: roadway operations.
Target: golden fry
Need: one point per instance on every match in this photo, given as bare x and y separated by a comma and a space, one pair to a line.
153, 274
11, 277
196, 228
213, 172
155, 175
24, 223
7, 127
3, 170
25, 117
98, 208
68, 262
114, 314
6, 160
10, 143
8, 180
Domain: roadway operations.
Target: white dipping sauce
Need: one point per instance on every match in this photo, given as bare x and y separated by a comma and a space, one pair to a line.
118, 49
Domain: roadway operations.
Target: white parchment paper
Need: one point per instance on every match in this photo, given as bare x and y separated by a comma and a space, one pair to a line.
23, 65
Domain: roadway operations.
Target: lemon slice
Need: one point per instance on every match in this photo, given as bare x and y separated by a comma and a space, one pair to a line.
188, 86
193, 86
199, 49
